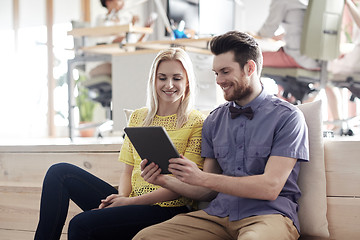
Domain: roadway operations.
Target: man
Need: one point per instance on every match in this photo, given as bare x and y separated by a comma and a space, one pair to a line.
252, 147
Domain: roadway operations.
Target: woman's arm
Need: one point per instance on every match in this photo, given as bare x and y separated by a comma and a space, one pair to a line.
122, 198
124, 189
159, 195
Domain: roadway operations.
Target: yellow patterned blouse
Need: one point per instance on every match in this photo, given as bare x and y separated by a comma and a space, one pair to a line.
187, 141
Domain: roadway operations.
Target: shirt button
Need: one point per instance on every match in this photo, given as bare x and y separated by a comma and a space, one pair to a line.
240, 147
239, 168
241, 125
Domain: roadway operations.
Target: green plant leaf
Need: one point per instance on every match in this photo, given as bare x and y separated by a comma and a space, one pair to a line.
84, 103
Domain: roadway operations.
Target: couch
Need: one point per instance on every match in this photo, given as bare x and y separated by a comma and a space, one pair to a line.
329, 207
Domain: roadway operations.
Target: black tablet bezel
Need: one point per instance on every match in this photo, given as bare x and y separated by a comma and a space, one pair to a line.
154, 144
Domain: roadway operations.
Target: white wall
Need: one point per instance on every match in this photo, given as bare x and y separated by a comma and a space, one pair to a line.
216, 16
251, 15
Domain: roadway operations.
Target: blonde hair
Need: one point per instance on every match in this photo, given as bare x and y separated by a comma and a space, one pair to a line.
186, 104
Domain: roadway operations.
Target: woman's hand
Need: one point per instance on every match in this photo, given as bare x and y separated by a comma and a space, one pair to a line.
185, 170
114, 200
151, 173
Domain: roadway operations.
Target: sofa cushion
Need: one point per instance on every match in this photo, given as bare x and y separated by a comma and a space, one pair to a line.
128, 113
312, 181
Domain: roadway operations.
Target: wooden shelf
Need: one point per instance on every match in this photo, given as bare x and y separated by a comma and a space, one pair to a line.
108, 30
191, 45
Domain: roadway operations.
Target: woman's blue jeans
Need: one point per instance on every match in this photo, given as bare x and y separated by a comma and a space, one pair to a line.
64, 181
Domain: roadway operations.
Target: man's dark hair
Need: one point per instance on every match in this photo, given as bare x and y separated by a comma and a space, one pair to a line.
244, 46
103, 3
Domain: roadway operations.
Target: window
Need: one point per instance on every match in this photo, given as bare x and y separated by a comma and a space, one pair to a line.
24, 66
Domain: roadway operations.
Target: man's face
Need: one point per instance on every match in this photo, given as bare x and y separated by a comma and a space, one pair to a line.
231, 78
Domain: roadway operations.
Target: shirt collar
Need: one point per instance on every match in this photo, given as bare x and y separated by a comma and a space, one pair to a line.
255, 103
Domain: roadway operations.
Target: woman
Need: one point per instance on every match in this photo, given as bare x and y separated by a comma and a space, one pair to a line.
119, 214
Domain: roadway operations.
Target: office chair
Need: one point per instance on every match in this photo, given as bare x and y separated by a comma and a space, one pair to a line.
349, 81
352, 83
348, 77
320, 40
99, 84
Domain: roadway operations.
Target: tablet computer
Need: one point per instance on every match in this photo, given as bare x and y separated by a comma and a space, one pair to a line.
154, 144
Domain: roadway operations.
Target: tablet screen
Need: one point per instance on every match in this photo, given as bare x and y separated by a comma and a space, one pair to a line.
154, 144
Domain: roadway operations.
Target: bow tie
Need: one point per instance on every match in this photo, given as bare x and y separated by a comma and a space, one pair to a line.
235, 112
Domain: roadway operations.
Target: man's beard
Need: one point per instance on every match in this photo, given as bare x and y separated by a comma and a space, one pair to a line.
239, 93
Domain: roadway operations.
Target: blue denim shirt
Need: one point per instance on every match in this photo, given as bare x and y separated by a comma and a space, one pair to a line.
242, 147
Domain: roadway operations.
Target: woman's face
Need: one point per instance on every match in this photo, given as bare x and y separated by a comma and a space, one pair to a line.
171, 81
114, 4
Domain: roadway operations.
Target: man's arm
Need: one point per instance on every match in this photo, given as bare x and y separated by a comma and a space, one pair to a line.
151, 174
266, 186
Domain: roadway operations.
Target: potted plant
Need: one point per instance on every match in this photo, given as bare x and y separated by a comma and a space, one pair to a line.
86, 108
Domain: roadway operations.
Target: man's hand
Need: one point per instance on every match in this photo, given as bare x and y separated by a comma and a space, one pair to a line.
152, 173
186, 170
114, 200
